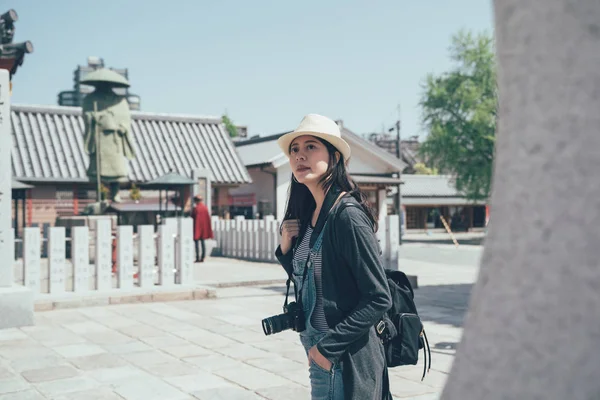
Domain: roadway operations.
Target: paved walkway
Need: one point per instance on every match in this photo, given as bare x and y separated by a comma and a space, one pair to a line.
210, 349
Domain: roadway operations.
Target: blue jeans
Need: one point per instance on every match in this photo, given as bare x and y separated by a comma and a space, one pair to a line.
325, 385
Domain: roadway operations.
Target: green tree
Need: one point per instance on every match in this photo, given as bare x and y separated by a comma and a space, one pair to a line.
135, 193
422, 169
231, 128
459, 111
104, 191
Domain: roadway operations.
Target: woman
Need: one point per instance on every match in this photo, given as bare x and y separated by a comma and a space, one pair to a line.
328, 247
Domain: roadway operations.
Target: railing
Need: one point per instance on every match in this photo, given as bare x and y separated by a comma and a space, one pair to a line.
257, 240
145, 260
254, 240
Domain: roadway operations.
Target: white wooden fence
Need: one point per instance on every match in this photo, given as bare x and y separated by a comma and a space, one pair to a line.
144, 260
149, 260
253, 239
257, 240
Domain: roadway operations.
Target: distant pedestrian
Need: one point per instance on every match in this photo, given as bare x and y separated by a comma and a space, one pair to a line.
202, 226
329, 248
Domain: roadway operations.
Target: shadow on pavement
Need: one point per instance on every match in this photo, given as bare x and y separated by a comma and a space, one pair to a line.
443, 304
445, 346
280, 289
470, 241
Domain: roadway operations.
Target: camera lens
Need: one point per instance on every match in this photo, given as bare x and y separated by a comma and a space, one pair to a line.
267, 327
277, 323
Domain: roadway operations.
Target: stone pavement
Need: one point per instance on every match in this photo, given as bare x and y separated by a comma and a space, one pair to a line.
214, 348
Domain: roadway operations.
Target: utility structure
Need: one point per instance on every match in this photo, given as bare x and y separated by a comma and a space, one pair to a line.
76, 96
12, 54
398, 194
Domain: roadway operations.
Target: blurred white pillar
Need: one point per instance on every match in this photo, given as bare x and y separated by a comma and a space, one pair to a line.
533, 329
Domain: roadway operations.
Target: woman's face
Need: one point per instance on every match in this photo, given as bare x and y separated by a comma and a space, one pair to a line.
309, 159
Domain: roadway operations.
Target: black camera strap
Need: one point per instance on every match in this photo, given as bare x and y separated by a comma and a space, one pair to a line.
309, 263
287, 283
287, 292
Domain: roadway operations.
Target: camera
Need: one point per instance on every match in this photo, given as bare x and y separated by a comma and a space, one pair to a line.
292, 318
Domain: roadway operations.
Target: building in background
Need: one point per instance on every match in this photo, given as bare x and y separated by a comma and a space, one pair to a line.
74, 98
409, 148
48, 155
427, 197
373, 169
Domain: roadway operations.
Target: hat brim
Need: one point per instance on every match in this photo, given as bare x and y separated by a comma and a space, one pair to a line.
113, 84
340, 144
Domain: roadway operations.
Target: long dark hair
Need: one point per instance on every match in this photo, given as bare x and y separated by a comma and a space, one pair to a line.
301, 204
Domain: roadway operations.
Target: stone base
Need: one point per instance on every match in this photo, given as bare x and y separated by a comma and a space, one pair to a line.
48, 302
16, 307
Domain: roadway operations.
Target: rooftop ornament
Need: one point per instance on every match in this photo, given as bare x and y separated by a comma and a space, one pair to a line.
11, 54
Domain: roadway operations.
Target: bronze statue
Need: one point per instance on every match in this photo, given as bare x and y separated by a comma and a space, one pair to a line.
107, 121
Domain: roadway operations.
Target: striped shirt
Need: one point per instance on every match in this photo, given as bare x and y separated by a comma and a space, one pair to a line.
317, 319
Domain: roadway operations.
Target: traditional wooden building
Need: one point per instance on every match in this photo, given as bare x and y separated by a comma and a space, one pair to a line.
48, 154
375, 170
427, 197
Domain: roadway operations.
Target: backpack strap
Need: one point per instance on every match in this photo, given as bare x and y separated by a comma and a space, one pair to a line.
425, 354
386, 330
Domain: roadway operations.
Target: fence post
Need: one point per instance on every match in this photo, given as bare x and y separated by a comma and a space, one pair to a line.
221, 225
125, 256
267, 237
233, 236
382, 235
45, 230
243, 229
216, 225
185, 252
166, 259
56, 260
238, 236
253, 239
146, 256
80, 256
274, 240
31, 259
7, 275
229, 237
103, 257
392, 242
260, 247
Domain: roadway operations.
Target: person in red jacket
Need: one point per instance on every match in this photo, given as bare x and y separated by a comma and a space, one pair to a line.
202, 225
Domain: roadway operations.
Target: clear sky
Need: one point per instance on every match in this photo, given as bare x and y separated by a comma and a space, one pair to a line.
267, 63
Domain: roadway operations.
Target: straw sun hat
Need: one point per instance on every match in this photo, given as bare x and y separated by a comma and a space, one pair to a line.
318, 126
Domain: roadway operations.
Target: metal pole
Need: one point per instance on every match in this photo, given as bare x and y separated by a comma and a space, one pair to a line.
399, 156
98, 184
160, 206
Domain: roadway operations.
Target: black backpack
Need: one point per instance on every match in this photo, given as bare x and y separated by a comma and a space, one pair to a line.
401, 330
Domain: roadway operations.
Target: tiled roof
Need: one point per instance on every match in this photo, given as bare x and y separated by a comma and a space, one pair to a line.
48, 146
264, 150
432, 190
373, 179
428, 186
16, 185
170, 179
